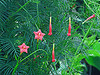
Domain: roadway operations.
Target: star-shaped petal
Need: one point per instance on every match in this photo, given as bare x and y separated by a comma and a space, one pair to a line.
23, 48
39, 35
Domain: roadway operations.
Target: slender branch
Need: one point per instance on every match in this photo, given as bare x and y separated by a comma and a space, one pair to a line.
90, 8
38, 14
79, 47
18, 10
18, 62
32, 54
15, 68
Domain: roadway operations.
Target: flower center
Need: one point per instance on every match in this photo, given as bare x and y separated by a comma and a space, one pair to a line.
23, 47
39, 34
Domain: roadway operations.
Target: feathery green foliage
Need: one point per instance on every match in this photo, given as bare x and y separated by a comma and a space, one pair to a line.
20, 18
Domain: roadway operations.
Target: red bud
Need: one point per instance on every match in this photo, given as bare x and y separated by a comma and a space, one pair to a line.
50, 28
69, 28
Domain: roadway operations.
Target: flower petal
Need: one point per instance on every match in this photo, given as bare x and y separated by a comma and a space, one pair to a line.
39, 35
42, 34
41, 38
27, 47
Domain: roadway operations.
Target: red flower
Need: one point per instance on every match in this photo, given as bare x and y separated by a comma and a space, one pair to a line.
23, 48
89, 18
53, 55
69, 28
50, 28
39, 35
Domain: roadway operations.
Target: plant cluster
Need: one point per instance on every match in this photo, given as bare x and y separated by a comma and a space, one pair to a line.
64, 47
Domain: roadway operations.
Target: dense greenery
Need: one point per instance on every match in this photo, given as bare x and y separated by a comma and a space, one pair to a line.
20, 18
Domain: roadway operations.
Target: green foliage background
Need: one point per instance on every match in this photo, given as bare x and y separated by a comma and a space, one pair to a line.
20, 18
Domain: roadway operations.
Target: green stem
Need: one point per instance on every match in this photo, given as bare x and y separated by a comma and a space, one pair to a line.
90, 8
79, 47
37, 45
16, 65
32, 54
38, 14
54, 67
18, 10
83, 39
18, 62
15, 68
30, 16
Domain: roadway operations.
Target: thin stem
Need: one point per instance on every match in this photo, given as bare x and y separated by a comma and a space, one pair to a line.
37, 44
32, 54
30, 16
18, 10
79, 47
38, 14
18, 62
54, 67
15, 68
83, 39
90, 8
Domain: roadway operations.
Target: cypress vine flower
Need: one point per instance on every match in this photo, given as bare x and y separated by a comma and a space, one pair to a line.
53, 55
89, 18
50, 28
39, 35
69, 28
23, 48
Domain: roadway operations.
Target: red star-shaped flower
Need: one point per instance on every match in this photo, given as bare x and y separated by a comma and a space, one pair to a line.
23, 48
39, 35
